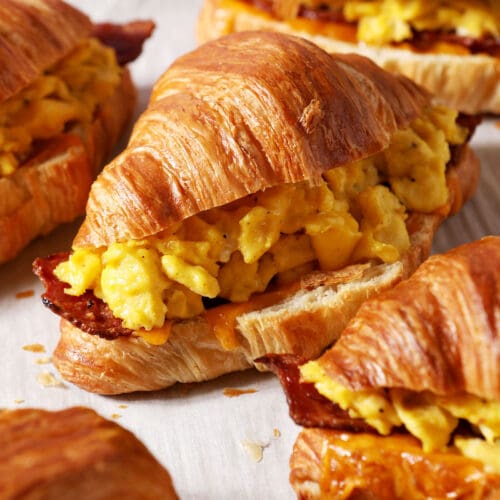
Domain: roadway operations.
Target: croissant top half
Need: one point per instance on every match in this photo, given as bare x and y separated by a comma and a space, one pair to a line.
438, 331
238, 115
75, 453
34, 34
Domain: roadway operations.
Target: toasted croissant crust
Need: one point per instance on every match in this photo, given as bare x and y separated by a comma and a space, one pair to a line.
53, 187
304, 324
76, 454
45, 31
468, 83
331, 464
438, 331
230, 114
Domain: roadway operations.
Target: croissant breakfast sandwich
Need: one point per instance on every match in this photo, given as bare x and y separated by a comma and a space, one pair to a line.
417, 374
450, 47
65, 99
77, 454
266, 192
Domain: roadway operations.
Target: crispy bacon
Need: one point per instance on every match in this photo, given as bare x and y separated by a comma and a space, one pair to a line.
126, 39
307, 406
86, 312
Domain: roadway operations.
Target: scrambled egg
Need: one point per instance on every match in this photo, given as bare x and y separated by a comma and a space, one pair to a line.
65, 94
357, 212
480, 450
383, 21
429, 417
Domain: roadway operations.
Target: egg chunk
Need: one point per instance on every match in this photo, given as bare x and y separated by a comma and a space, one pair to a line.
354, 213
67, 93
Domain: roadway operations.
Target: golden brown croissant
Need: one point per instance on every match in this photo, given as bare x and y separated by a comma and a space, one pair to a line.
423, 356
75, 453
248, 214
64, 102
340, 465
457, 62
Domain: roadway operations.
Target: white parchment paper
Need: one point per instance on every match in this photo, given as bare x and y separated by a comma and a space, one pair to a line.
195, 431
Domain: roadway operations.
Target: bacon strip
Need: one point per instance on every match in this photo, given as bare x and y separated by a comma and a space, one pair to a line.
307, 406
126, 39
86, 312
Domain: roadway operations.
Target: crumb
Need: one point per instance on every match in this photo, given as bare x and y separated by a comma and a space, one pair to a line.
25, 294
276, 433
18, 401
115, 416
254, 449
232, 393
497, 124
47, 379
123, 406
43, 361
34, 348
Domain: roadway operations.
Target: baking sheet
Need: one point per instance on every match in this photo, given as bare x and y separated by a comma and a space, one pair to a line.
206, 440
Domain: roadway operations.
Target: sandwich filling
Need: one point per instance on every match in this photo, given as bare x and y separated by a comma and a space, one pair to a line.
438, 25
64, 98
429, 417
356, 213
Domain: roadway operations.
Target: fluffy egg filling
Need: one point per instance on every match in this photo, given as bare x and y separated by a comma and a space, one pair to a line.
429, 417
355, 213
65, 95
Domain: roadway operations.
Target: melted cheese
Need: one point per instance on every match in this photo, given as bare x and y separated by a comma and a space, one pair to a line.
430, 418
236, 250
66, 94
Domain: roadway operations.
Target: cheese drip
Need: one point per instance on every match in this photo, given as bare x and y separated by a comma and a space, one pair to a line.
429, 417
355, 213
67, 94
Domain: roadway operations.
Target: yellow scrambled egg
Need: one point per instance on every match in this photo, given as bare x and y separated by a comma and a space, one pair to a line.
64, 95
357, 212
429, 417
384, 21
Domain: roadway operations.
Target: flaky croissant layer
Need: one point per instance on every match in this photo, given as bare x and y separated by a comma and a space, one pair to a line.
331, 464
77, 454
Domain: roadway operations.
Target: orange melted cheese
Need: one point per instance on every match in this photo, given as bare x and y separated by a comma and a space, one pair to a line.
396, 467
222, 319
156, 336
